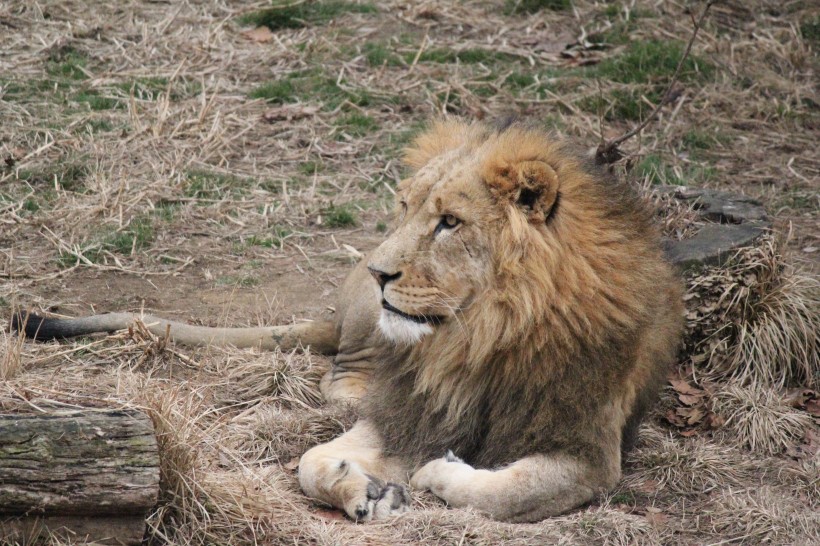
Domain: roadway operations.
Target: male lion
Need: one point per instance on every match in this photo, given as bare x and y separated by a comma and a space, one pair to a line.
518, 328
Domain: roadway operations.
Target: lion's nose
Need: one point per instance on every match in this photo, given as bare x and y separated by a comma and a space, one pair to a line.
383, 278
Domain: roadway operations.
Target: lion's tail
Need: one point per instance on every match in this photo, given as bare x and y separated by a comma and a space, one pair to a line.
321, 336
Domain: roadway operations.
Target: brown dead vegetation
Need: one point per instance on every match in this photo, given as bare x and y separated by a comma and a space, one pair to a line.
138, 170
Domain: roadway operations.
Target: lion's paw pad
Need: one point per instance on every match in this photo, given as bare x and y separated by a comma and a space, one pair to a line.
382, 501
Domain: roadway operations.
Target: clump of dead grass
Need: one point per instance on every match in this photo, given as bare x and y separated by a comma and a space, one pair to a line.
10, 355
271, 433
759, 419
755, 320
292, 378
686, 466
763, 516
678, 219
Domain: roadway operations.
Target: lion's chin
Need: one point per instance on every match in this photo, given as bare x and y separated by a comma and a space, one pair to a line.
400, 330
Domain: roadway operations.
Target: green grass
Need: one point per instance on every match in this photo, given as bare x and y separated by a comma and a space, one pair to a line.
136, 236
659, 172
696, 140
465, 56
620, 104
288, 15
648, 68
309, 168
339, 216
810, 29
381, 227
651, 62
210, 185
378, 54
311, 86
67, 62
533, 6
356, 124
69, 174
96, 101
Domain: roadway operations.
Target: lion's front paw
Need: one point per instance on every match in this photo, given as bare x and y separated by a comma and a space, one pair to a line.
442, 476
379, 500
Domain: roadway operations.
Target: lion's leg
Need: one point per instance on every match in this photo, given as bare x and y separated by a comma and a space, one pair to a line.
348, 378
352, 473
530, 489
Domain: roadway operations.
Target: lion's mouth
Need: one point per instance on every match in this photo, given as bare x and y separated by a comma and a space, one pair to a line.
418, 319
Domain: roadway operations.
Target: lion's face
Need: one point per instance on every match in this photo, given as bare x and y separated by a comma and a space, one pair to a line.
438, 258
445, 250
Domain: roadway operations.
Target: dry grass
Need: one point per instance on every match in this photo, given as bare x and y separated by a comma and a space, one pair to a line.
154, 155
756, 319
760, 419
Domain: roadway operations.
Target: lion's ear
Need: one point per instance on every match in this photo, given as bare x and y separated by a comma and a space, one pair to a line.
531, 185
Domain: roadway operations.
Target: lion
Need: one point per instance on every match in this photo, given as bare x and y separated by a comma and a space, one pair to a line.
503, 342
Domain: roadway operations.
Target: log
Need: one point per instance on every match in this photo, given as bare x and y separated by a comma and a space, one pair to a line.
89, 475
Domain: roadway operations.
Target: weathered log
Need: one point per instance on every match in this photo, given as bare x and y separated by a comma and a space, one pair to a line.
92, 475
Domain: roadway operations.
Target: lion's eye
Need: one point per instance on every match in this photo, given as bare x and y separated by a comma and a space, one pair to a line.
448, 221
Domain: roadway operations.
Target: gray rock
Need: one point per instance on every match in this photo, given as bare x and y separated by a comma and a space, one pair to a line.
733, 222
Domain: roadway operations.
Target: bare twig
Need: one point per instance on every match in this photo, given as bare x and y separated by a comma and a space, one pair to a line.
608, 152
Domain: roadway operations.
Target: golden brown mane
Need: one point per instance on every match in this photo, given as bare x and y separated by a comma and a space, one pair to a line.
568, 292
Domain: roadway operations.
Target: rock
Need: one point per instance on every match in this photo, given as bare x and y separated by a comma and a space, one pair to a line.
731, 222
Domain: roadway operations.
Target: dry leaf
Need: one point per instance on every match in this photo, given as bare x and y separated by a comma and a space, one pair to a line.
259, 34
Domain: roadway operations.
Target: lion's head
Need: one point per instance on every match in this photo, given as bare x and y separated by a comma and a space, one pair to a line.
505, 222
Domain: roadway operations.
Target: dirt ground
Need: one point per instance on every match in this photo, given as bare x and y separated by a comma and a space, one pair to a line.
211, 162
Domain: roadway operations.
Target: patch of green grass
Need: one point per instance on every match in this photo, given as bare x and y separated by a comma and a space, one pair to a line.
623, 24
165, 210
67, 62
145, 88
648, 67
379, 54
96, 101
381, 227
519, 80
309, 168
69, 175
620, 104
623, 497
211, 185
274, 241
697, 140
137, 236
310, 86
810, 29
651, 62
465, 56
339, 216
356, 124
289, 15
659, 172
532, 6
30, 205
